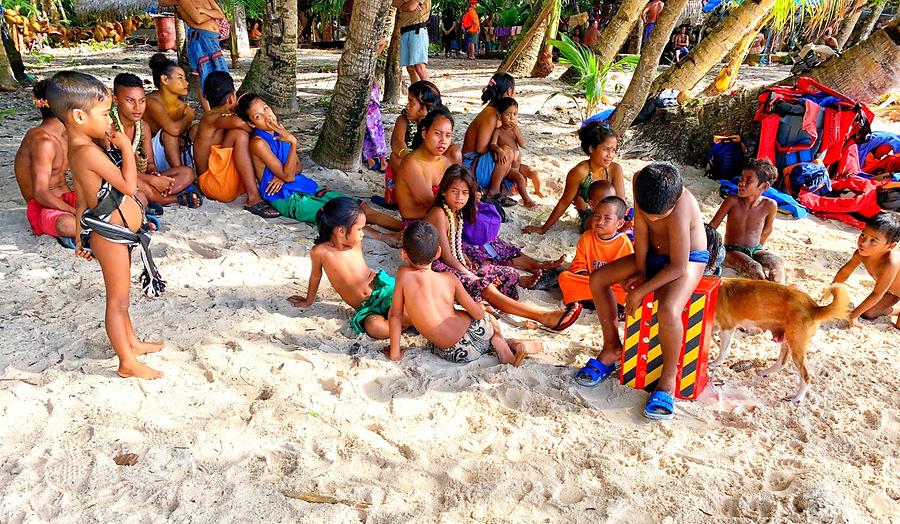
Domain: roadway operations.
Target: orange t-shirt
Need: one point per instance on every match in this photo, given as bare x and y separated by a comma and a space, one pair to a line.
592, 252
471, 22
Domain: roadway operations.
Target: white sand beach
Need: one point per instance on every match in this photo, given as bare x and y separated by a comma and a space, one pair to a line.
261, 401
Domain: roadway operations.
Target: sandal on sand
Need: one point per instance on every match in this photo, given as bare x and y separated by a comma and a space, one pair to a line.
262, 209
519, 358
190, 197
571, 314
660, 406
594, 372
151, 219
66, 242
154, 209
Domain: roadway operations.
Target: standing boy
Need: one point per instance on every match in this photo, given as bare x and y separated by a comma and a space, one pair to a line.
110, 217
750, 220
222, 151
428, 298
669, 258
40, 167
471, 24
875, 251
412, 17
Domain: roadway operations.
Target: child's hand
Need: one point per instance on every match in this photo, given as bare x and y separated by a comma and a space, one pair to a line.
633, 282
538, 230
274, 186
632, 303
854, 322
163, 184
119, 140
387, 353
80, 251
301, 302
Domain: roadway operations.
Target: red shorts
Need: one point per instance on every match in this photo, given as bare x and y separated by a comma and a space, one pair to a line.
43, 219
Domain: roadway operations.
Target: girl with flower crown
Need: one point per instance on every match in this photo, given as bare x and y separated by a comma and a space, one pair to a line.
496, 285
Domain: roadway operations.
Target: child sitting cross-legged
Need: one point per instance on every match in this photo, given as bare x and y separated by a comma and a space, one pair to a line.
338, 251
750, 220
277, 164
669, 259
875, 251
508, 136
429, 299
599, 246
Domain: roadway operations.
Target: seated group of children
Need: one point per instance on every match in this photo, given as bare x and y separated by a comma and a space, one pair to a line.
668, 256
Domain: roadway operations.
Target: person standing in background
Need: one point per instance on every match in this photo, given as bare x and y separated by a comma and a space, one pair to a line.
413, 22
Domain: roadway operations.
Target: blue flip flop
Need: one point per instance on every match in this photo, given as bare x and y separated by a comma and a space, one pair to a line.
152, 219
660, 406
66, 242
594, 372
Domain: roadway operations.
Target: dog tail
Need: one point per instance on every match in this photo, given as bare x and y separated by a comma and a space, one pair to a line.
839, 307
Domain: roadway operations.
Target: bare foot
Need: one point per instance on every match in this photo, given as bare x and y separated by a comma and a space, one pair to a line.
137, 370
538, 194
528, 204
523, 348
142, 348
532, 279
553, 264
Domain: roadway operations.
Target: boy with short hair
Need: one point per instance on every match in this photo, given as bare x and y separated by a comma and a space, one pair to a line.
40, 168
597, 191
129, 104
875, 251
669, 258
110, 217
222, 151
751, 218
428, 298
599, 246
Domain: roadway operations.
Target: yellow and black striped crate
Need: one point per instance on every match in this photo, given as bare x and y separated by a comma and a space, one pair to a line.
642, 354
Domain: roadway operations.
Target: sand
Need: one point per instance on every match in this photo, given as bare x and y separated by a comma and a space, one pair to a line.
261, 400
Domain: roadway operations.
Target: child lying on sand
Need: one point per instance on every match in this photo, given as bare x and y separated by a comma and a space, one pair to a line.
429, 298
338, 251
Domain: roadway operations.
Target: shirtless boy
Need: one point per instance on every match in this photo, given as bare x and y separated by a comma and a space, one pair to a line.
169, 117
429, 298
222, 151
338, 250
107, 208
421, 171
750, 220
875, 251
669, 258
508, 137
649, 16
160, 187
40, 167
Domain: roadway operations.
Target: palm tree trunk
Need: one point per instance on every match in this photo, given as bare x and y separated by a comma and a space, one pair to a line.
613, 37
13, 57
340, 141
273, 72
639, 87
181, 44
382, 62
729, 73
868, 70
522, 59
544, 65
868, 24
393, 74
850, 20
240, 42
685, 75
8, 80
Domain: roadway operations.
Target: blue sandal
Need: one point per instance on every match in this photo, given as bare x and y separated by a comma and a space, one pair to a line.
594, 372
660, 406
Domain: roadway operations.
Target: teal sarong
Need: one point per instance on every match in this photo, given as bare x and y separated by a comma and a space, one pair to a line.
378, 303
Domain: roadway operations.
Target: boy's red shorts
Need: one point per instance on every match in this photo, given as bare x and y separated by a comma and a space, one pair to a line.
43, 219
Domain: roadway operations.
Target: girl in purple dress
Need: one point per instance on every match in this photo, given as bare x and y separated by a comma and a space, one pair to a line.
374, 147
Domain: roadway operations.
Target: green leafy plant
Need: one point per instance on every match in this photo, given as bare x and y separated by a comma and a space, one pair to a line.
42, 60
254, 9
6, 113
592, 77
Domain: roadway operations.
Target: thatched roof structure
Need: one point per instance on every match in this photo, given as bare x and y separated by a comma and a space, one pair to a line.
112, 9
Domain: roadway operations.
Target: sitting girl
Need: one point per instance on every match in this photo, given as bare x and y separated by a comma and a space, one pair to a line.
497, 285
599, 142
338, 250
277, 166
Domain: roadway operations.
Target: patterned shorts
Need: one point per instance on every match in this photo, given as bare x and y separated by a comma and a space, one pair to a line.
474, 343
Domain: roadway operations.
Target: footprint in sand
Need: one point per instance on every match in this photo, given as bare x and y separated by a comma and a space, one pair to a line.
780, 475
204, 250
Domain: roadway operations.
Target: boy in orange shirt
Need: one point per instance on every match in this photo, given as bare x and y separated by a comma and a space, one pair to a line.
600, 245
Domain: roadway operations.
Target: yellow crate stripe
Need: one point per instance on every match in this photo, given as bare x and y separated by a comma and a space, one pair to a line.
697, 305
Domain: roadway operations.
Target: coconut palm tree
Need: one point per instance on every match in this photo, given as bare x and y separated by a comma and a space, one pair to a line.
865, 27
522, 59
614, 35
651, 51
850, 20
728, 74
340, 141
8, 81
273, 72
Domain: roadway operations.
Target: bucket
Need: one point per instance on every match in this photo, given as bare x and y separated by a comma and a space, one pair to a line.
165, 33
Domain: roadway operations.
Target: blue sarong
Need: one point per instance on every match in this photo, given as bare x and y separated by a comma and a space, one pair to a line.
482, 165
204, 53
301, 184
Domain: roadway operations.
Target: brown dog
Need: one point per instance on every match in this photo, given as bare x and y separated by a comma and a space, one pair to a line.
791, 315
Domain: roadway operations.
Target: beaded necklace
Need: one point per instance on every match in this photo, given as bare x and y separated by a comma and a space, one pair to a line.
455, 234
137, 144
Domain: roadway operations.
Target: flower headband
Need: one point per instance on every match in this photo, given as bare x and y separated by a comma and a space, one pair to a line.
492, 82
41, 102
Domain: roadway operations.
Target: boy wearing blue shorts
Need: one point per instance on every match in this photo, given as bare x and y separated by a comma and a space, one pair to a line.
669, 258
413, 21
